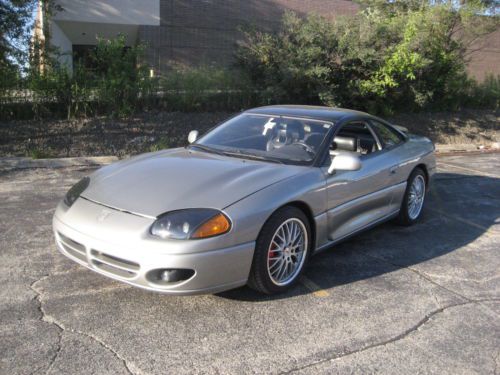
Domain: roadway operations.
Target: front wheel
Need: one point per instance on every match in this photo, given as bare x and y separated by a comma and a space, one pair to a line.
281, 251
414, 198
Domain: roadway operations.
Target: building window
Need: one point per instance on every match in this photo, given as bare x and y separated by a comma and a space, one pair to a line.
82, 55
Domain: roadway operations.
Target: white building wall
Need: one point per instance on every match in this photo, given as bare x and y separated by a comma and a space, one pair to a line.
63, 44
124, 12
83, 21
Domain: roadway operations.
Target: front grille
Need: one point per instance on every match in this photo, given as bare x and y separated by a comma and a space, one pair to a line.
102, 261
114, 265
73, 248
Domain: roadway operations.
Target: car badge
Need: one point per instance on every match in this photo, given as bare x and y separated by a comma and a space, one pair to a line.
103, 215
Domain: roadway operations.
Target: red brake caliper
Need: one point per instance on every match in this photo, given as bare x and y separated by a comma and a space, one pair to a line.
272, 253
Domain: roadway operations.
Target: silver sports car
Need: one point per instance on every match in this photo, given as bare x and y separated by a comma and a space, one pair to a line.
247, 203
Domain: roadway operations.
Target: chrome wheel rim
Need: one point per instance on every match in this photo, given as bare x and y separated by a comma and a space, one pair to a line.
287, 252
416, 197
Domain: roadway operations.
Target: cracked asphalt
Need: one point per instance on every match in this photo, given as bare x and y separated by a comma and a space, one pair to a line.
393, 300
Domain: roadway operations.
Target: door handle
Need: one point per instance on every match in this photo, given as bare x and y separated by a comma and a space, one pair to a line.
393, 169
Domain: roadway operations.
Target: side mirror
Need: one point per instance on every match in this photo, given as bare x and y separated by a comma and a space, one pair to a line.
193, 136
345, 162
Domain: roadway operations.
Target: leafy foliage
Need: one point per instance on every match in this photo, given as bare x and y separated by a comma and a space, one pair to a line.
116, 85
392, 56
206, 88
14, 30
121, 82
15, 25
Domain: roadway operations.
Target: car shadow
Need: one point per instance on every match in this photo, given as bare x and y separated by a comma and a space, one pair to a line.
459, 209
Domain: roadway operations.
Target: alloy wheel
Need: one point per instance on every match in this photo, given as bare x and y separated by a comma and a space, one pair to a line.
287, 252
416, 197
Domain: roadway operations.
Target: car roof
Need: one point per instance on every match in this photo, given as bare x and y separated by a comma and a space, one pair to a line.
313, 112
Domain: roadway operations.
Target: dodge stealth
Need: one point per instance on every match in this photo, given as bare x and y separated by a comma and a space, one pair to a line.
249, 202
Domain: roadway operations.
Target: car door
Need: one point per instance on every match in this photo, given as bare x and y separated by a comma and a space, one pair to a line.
393, 145
357, 199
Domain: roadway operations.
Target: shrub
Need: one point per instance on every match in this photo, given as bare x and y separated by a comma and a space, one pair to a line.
206, 89
487, 93
53, 92
114, 84
121, 83
387, 58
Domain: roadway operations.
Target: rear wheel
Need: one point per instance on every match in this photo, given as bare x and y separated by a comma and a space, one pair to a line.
414, 198
281, 251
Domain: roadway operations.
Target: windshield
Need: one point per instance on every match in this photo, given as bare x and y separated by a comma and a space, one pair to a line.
272, 138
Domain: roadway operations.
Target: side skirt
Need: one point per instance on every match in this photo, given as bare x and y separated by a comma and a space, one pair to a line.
347, 236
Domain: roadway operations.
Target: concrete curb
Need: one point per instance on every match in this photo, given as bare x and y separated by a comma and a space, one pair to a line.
11, 163
466, 147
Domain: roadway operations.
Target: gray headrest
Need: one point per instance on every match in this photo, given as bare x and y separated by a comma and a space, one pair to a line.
345, 143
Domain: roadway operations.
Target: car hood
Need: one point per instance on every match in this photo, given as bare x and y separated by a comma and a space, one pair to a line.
152, 184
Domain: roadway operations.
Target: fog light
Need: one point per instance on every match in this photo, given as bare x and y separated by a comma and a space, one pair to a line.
169, 275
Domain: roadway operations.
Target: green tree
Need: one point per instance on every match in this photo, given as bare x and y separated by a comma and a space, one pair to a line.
15, 24
122, 83
391, 56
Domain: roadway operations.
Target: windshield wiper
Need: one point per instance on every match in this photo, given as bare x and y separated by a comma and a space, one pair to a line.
235, 153
240, 154
207, 149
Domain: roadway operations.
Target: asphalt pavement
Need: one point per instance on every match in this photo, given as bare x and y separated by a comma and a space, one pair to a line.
392, 300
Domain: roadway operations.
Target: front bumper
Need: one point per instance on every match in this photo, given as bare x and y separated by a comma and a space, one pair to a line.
133, 261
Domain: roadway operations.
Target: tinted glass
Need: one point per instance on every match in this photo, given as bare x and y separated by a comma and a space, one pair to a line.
389, 136
362, 136
289, 140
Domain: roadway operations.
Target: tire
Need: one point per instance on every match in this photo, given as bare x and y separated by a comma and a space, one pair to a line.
275, 249
409, 214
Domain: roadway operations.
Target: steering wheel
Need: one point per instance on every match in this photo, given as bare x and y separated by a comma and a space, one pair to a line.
305, 146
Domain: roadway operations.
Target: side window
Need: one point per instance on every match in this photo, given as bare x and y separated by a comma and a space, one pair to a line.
354, 137
389, 136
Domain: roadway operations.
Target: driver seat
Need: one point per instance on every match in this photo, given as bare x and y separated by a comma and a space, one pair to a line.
283, 137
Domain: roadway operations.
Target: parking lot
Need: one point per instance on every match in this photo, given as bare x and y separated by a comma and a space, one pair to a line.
393, 300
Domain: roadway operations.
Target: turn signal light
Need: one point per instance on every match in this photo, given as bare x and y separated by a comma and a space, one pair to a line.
219, 224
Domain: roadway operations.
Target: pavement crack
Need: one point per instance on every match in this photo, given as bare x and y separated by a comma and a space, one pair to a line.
61, 328
466, 279
421, 275
430, 280
43, 318
394, 339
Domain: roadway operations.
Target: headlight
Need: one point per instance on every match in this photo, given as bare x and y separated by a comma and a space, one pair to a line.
191, 224
77, 189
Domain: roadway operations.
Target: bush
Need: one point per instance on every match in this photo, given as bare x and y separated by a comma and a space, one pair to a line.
115, 84
390, 57
387, 58
483, 95
206, 89
122, 84
53, 92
